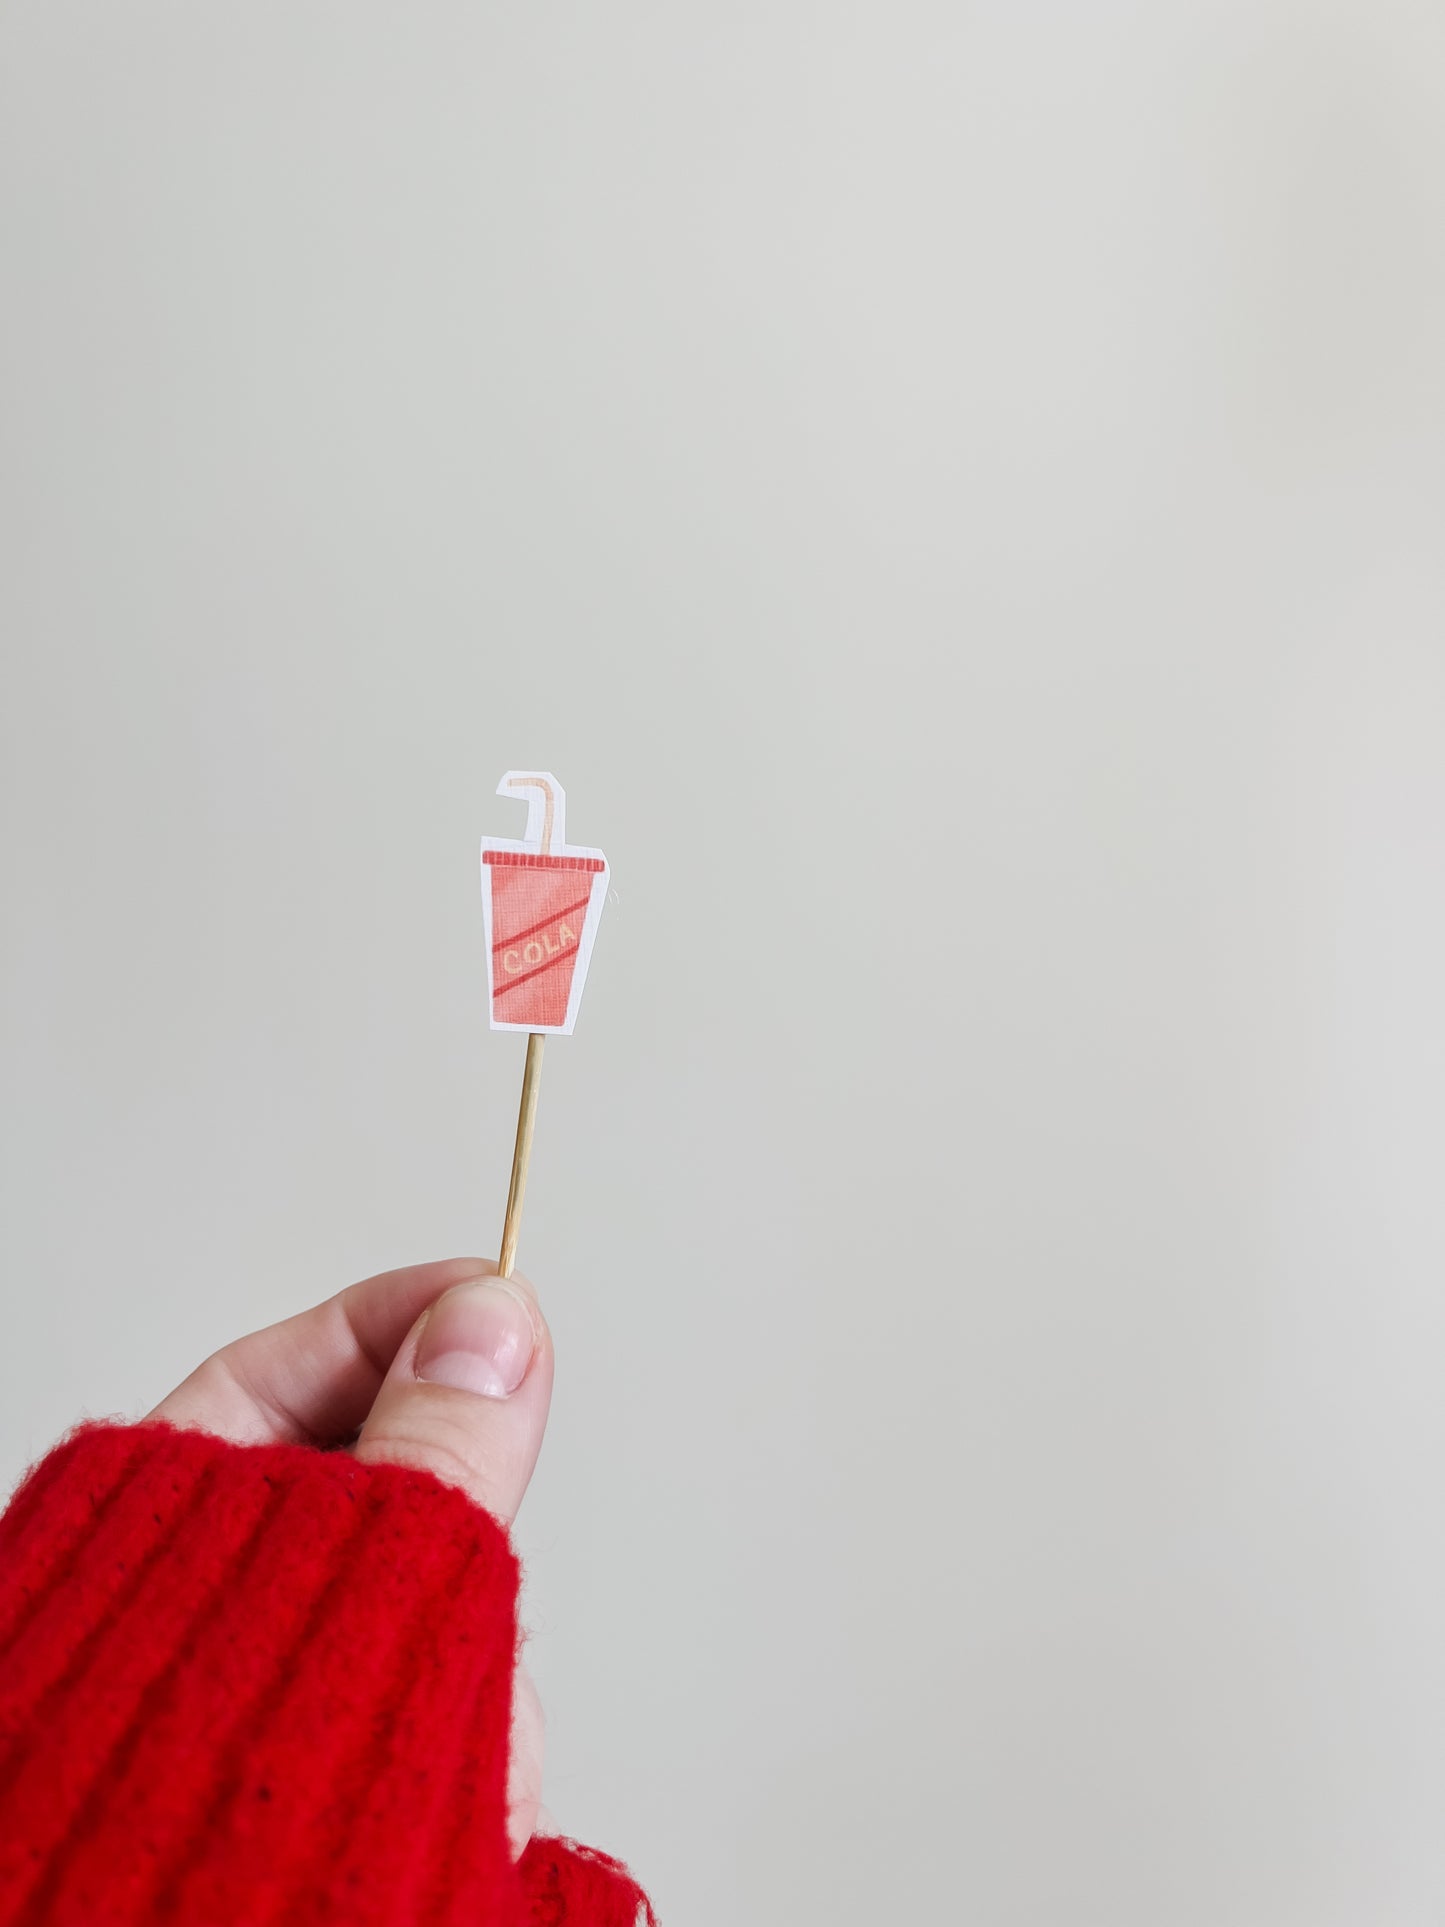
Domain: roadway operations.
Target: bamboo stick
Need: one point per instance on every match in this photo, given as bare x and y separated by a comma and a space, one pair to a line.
526, 1120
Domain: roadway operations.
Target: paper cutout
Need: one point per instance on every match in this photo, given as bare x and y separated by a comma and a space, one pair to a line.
542, 900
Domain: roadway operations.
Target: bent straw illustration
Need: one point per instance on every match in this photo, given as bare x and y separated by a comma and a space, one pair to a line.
542, 901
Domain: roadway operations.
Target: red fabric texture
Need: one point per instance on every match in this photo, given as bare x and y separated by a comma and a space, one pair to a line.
263, 1684
567, 1884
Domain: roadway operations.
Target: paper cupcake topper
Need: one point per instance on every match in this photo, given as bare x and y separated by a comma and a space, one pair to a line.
542, 898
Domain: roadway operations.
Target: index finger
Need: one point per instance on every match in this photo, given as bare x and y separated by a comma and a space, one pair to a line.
311, 1379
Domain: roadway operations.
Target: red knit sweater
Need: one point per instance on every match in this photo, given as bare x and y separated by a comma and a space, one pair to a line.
263, 1684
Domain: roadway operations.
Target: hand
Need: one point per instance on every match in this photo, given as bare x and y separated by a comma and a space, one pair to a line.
443, 1366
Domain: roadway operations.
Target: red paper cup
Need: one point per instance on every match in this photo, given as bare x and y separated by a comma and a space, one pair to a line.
539, 908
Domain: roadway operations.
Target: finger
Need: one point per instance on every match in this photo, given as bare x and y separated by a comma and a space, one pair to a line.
467, 1394
313, 1378
524, 1774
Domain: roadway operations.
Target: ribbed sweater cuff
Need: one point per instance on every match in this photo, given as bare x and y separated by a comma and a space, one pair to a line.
247, 1684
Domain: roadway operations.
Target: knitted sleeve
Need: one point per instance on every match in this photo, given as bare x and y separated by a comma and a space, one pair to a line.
263, 1684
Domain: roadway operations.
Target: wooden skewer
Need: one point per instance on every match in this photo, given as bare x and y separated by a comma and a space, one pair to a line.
526, 1119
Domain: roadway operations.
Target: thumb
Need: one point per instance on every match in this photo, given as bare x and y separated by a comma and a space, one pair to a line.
466, 1396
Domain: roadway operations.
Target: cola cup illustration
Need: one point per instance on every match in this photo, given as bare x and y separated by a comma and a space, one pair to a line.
542, 901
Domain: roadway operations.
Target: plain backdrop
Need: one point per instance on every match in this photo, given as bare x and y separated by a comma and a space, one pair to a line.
955, 491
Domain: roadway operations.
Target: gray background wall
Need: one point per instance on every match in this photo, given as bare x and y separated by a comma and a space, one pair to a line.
955, 491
